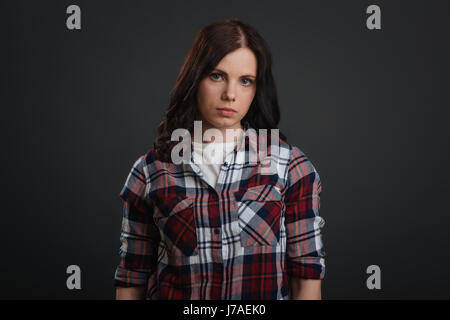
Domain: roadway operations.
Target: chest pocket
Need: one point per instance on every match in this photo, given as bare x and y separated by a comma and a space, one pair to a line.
259, 210
174, 216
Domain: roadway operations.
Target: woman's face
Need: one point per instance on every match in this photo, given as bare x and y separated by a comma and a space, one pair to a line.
232, 85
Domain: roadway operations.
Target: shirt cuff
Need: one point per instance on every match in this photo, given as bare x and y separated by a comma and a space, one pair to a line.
306, 267
130, 278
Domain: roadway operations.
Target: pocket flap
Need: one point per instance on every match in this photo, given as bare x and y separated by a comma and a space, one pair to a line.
172, 205
259, 193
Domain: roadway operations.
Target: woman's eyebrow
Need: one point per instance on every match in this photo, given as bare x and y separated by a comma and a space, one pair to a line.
246, 75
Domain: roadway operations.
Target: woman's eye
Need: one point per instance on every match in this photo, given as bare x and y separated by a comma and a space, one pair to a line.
218, 76
249, 81
213, 75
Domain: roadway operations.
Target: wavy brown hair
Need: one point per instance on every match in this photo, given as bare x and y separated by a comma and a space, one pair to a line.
211, 44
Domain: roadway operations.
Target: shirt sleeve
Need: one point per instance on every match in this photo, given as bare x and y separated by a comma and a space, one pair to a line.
139, 235
304, 252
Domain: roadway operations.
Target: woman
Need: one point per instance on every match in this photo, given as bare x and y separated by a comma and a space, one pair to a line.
223, 228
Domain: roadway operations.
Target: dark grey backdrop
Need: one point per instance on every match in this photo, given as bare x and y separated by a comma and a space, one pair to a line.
369, 108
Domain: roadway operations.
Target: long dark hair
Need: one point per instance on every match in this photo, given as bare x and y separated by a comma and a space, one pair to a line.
211, 44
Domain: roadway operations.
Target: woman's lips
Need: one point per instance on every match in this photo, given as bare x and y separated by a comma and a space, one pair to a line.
226, 112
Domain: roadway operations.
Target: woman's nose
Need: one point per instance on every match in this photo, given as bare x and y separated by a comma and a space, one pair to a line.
230, 93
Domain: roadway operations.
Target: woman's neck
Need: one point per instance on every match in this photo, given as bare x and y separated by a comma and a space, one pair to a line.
233, 135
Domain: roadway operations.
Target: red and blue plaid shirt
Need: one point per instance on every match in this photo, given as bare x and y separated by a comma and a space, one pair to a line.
183, 239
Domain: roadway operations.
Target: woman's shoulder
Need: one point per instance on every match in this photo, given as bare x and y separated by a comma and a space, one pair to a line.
143, 162
151, 160
299, 161
293, 151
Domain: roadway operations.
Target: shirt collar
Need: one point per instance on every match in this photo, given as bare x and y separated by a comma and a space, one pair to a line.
248, 140
241, 153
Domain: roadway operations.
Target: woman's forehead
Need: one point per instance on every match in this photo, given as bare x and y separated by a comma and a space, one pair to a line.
241, 61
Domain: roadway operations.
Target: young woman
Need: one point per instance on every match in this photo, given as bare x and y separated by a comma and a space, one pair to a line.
224, 228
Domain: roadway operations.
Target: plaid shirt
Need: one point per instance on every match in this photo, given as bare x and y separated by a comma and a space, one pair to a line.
243, 239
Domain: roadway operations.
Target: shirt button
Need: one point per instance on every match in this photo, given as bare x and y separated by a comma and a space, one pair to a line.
225, 164
216, 230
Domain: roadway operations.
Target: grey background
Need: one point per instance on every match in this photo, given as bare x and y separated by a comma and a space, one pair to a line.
369, 108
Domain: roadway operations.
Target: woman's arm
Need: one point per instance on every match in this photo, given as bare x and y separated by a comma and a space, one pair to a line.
305, 289
130, 293
139, 237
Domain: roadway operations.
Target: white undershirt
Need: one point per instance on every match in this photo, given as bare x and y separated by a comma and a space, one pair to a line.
214, 154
